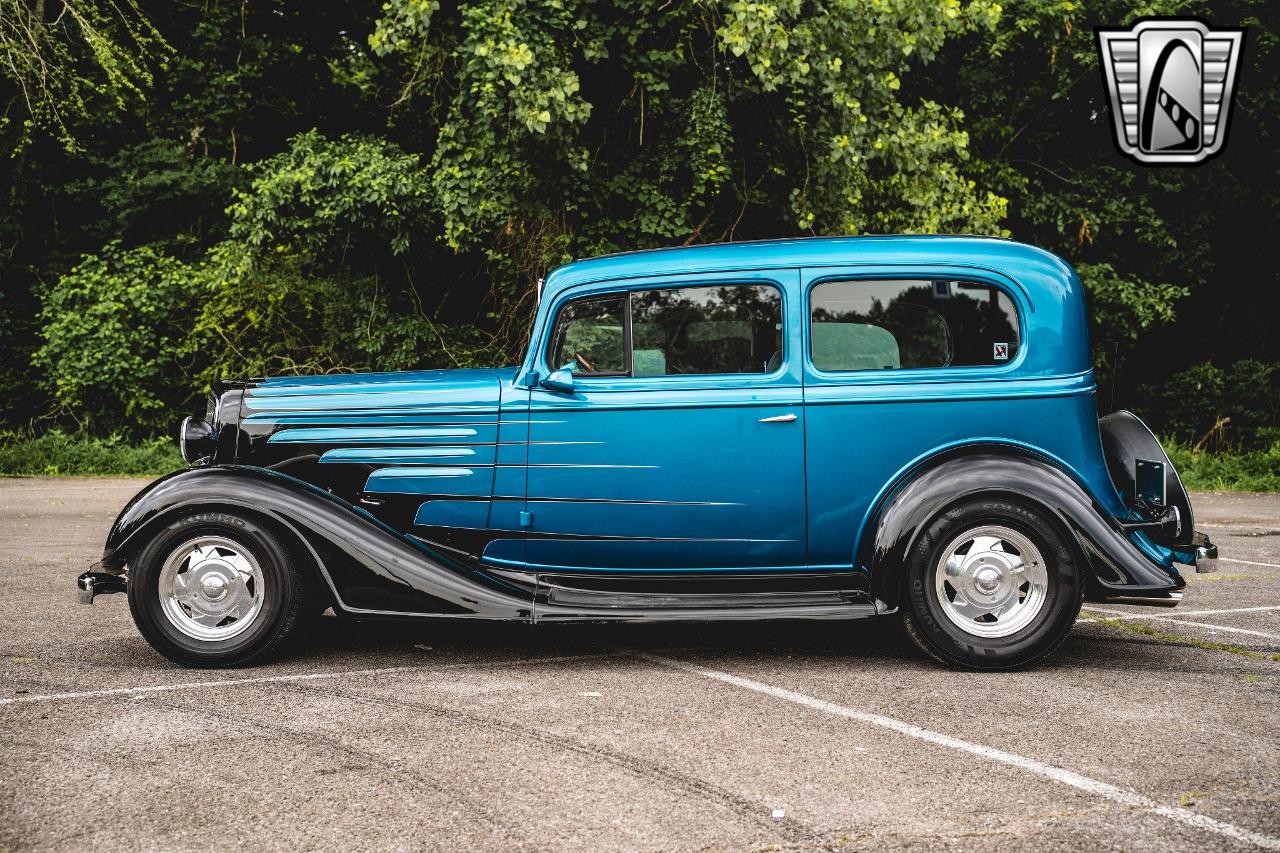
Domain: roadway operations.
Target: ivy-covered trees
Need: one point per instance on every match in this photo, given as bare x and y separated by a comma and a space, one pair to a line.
232, 188
67, 61
630, 123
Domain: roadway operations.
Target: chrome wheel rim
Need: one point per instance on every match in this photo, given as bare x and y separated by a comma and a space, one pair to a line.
211, 588
991, 581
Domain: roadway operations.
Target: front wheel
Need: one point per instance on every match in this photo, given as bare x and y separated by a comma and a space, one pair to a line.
991, 584
215, 589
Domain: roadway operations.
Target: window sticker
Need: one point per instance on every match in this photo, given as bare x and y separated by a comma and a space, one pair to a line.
1001, 352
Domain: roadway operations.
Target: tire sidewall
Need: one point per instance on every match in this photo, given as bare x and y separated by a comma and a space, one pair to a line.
281, 593
1051, 624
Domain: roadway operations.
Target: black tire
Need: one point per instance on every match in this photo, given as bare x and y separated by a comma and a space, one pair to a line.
938, 636
281, 606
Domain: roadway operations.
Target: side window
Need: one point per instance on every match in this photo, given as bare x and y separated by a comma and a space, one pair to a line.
886, 325
704, 330
590, 335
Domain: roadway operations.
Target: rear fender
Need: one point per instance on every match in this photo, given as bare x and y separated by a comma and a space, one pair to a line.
1117, 567
369, 567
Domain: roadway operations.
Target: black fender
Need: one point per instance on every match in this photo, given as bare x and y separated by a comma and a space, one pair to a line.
368, 567
1118, 570
1126, 439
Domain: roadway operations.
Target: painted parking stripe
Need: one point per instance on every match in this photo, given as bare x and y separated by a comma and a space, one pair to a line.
1218, 610
1177, 620
1248, 562
1102, 789
283, 679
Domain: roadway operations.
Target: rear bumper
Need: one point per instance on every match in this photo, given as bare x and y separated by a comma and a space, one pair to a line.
1201, 553
1205, 550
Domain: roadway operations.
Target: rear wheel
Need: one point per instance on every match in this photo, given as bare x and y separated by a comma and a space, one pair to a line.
214, 590
991, 584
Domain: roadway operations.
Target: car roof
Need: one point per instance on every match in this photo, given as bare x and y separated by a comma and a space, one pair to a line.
1004, 255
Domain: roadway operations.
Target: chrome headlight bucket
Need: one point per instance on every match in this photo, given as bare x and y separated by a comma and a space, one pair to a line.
197, 440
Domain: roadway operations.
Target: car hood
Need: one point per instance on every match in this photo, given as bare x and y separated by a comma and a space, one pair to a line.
318, 412
350, 394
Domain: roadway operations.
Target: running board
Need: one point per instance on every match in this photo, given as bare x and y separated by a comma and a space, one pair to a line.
848, 610
561, 597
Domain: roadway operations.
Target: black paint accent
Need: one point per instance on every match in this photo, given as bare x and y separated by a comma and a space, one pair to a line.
1117, 566
375, 571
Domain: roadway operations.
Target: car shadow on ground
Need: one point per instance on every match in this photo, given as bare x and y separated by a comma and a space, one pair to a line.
872, 643
334, 644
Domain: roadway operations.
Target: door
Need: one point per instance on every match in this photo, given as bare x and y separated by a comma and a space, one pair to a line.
901, 364
681, 444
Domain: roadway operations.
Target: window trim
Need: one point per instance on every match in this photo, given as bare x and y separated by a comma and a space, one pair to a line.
941, 373
627, 329
625, 297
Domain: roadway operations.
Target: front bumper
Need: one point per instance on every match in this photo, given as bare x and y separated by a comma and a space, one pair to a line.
94, 583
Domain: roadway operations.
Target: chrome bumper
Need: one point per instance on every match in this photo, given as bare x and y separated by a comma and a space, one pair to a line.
1206, 553
93, 583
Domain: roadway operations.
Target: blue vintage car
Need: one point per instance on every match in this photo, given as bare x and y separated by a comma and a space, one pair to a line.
831, 428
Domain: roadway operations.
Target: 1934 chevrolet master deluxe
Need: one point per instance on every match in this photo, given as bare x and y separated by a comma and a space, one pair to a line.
798, 429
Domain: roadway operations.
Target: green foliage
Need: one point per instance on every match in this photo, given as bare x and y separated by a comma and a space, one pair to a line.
68, 60
331, 186
322, 197
806, 99
1217, 408
161, 193
877, 163
1121, 309
1245, 471
404, 26
278, 317
60, 454
111, 332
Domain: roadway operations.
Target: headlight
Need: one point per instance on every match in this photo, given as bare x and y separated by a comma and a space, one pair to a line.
197, 440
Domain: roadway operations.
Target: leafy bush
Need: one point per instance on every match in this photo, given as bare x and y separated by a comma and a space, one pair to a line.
111, 336
1249, 471
320, 196
60, 454
1216, 408
1120, 308
278, 318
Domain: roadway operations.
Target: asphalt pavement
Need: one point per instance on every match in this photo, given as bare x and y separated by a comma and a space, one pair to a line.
1148, 730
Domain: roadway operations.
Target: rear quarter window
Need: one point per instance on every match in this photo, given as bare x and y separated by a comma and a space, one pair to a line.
910, 323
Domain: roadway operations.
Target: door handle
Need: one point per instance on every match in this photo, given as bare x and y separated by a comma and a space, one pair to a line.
779, 419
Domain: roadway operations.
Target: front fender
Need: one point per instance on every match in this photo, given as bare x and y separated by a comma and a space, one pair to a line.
1119, 570
368, 566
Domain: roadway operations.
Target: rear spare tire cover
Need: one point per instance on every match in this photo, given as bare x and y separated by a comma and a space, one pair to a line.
1126, 438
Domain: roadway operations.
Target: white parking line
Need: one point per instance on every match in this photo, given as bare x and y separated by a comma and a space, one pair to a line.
1248, 562
1219, 610
1177, 620
1106, 790
282, 679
